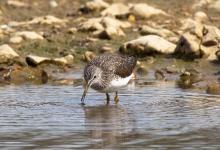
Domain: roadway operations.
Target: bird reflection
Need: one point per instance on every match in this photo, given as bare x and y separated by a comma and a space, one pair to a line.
109, 124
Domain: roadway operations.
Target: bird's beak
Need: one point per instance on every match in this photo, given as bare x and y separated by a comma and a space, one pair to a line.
85, 91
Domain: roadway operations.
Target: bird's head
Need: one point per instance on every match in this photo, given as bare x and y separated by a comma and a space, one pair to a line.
92, 75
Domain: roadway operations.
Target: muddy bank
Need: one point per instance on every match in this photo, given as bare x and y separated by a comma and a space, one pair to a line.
174, 40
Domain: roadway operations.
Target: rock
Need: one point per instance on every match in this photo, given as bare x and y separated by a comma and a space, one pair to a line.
188, 46
211, 36
45, 20
5, 74
142, 70
89, 55
105, 27
72, 30
146, 30
94, 5
159, 75
44, 77
189, 77
116, 9
201, 3
16, 40
218, 54
215, 5
131, 18
172, 69
213, 88
106, 49
63, 81
190, 25
200, 17
18, 4
29, 35
147, 45
200, 41
7, 54
114, 23
33, 60
53, 4
143, 10
93, 24
66, 60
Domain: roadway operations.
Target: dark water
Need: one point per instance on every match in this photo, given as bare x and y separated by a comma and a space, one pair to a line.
153, 115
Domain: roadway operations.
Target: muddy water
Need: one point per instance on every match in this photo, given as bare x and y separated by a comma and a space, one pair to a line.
150, 114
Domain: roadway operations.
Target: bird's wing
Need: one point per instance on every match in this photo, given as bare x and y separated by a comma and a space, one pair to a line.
122, 66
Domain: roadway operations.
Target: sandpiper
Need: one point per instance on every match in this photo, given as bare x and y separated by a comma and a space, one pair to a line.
108, 73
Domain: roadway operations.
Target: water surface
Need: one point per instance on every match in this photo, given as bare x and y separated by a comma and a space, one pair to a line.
150, 114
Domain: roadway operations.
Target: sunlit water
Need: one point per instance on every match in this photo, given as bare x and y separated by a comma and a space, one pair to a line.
154, 115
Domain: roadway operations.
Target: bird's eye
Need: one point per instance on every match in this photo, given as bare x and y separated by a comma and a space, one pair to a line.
94, 77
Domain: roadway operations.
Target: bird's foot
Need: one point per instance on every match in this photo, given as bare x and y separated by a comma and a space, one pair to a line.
116, 99
107, 98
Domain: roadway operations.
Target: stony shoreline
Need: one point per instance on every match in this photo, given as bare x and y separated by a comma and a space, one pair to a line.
41, 38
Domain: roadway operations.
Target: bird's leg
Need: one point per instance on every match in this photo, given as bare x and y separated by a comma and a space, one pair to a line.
107, 98
116, 99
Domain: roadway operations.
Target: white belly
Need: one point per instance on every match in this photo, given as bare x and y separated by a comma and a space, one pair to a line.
117, 84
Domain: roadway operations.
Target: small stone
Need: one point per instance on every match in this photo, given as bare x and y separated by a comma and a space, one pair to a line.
213, 88
159, 75
142, 70
106, 49
16, 40
53, 4
131, 18
89, 55
66, 60
72, 30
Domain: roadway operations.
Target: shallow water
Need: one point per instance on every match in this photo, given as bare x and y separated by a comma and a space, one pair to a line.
150, 114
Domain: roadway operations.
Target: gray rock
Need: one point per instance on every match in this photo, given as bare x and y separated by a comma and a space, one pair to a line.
116, 9
7, 54
147, 45
143, 10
